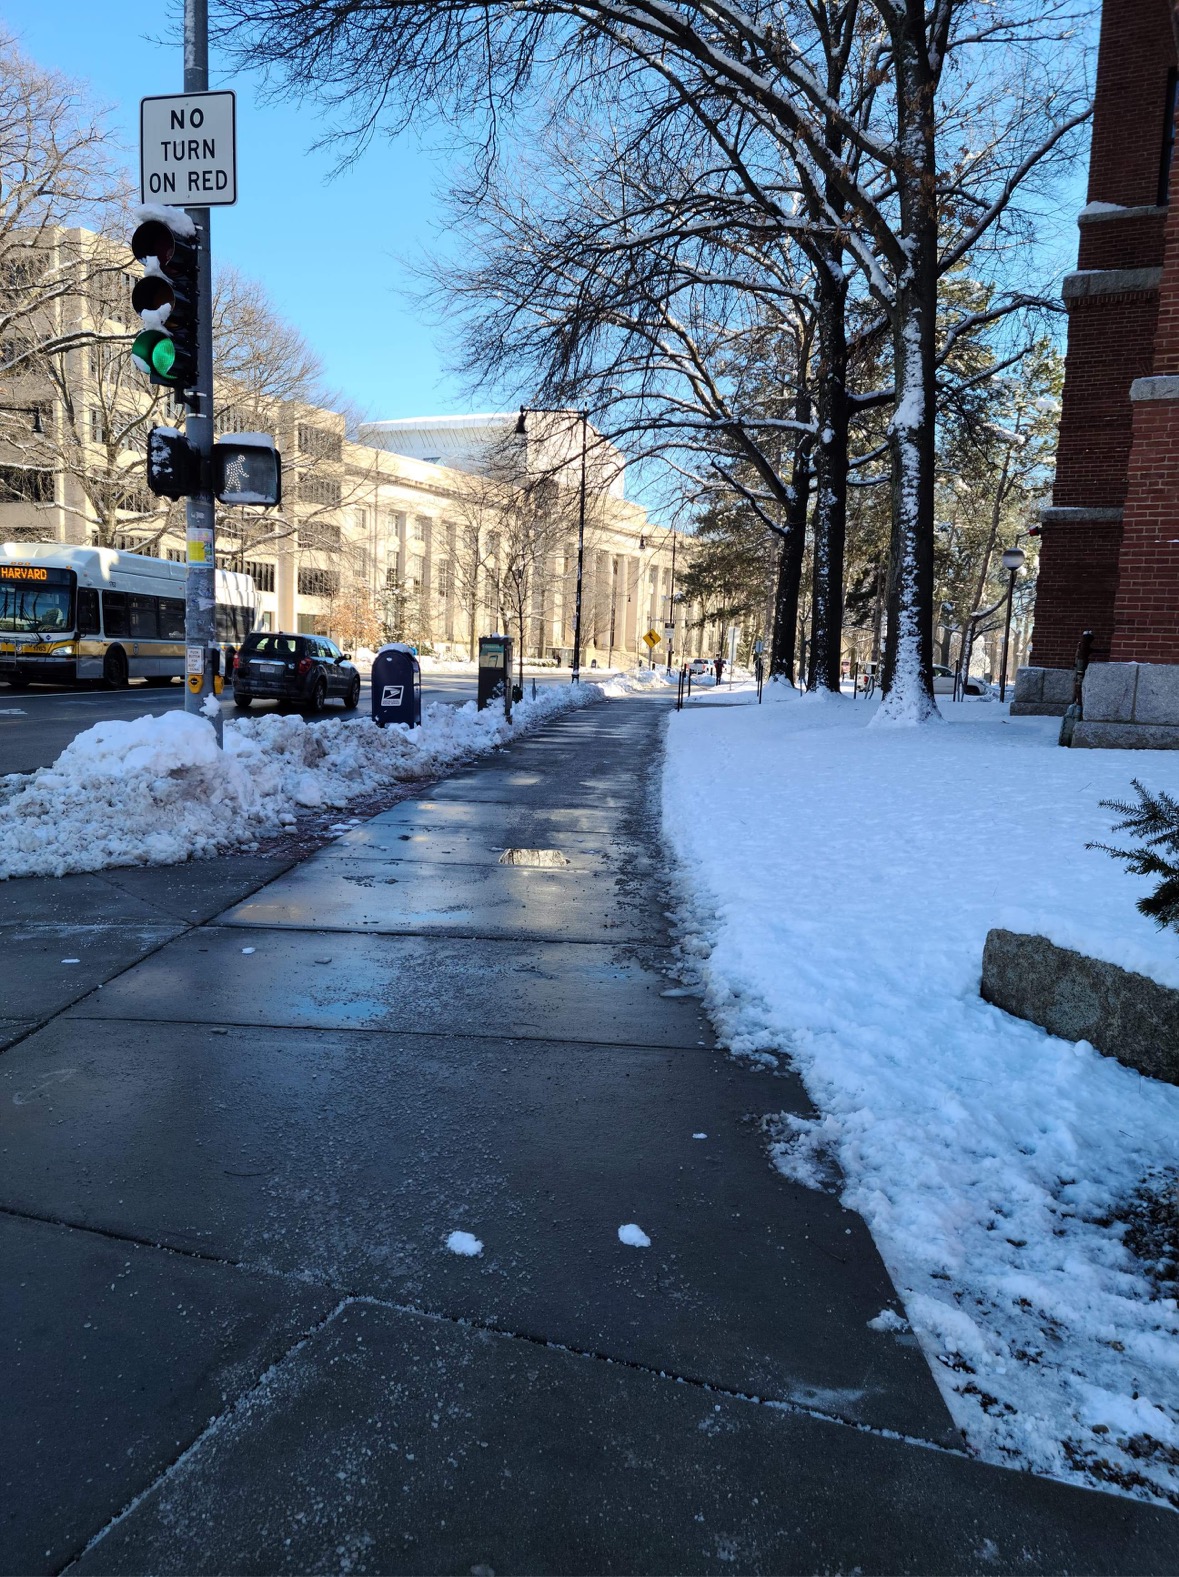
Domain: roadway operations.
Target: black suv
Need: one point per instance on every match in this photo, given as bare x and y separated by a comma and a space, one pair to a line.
303, 670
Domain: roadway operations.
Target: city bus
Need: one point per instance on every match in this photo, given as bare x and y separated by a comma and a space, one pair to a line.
103, 616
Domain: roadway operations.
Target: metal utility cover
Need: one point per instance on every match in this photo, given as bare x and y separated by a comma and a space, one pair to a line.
188, 149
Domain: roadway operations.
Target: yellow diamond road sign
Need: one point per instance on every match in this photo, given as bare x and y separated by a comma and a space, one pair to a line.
652, 638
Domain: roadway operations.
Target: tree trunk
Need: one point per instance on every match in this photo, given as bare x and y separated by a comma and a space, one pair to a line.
830, 516
908, 653
785, 637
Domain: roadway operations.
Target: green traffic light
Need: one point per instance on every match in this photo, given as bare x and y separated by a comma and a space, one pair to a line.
154, 351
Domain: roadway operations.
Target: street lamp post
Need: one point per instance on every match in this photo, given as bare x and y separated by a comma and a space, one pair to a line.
26, 410
1012, 562
521, 429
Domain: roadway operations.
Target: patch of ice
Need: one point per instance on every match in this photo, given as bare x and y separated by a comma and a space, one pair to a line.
633, 1236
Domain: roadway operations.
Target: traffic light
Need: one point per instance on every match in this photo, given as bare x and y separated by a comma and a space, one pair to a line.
173, 470
166, 300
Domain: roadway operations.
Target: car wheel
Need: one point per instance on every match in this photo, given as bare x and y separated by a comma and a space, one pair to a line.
352, 699
315, 701
114, 669
242, 702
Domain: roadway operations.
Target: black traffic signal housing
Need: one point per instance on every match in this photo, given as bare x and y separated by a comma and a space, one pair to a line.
173, 467
166, 299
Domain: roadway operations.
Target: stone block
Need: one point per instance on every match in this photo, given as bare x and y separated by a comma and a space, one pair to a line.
1109, 692
1058, 686
1125, 736
1029, 685
1124, 1015
1157, 696
1042, 692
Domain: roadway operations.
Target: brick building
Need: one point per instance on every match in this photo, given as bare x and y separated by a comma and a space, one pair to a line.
1110, 552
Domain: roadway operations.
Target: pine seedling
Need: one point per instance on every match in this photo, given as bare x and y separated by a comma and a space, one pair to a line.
1154, 820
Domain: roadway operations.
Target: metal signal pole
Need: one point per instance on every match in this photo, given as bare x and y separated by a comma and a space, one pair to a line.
200, 588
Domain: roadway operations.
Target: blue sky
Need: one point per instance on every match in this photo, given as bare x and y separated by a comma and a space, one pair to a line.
326, 249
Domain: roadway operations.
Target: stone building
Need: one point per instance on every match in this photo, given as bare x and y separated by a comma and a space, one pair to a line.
438, 530
1109, 561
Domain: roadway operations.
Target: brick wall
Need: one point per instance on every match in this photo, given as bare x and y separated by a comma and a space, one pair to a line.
1136, 51
1075, 591
1094, 572
1110, 340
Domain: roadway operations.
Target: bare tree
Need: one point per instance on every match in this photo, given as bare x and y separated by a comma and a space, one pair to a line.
1004, 79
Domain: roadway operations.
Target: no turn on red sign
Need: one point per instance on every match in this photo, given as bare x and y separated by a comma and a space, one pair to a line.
188, 149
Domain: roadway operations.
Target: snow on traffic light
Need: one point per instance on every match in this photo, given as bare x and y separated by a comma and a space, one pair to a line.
166, 299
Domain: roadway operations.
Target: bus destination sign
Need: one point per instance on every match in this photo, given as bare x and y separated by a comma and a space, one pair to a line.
30, 572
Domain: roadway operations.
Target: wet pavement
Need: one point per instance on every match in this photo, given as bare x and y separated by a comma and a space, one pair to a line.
237, 1134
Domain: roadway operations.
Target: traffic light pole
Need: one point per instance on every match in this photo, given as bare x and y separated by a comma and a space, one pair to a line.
200, 588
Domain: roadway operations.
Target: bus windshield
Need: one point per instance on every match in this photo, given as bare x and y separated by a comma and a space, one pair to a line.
35, 610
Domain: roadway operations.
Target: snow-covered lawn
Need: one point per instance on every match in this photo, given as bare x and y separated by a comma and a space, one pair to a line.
840, 882
157, 790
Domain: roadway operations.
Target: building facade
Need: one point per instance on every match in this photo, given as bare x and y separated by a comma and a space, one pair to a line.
438, 530
1109, 559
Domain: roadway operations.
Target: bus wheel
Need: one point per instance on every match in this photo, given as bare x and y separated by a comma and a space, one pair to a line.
114, 669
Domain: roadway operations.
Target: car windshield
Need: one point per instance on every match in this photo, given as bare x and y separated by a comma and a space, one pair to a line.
273, 646
35, 610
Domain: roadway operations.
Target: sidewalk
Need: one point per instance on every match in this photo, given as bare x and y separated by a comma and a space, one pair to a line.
234, 1141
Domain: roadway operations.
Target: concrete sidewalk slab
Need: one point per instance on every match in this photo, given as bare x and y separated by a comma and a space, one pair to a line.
525, 825
399, 1445
197, 891
332, 893
13, 1029
428, 986
114, 1358
49, 965
592, 852
348, 1159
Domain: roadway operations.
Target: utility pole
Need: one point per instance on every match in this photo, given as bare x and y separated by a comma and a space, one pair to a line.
200, 587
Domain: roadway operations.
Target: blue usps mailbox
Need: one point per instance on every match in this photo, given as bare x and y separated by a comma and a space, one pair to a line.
396, 686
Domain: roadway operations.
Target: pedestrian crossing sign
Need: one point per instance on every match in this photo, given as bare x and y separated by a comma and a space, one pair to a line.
652, 639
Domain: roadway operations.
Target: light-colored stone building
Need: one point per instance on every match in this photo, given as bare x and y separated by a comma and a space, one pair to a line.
438, 530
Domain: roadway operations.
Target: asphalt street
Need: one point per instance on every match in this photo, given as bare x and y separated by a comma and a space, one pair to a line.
394, 1212
37, 724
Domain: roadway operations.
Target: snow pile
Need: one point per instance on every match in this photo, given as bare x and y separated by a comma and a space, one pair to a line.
158, 791
633, 1236
839, 910
638, 681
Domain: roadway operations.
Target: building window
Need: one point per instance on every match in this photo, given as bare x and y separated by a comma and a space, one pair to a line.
319, 490
391, 581
263, 574
444, 581
319, 442
319, 534
25, 484
97, 426
318, 582
176, 555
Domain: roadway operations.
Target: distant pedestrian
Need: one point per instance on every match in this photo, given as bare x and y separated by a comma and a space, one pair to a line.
718, 664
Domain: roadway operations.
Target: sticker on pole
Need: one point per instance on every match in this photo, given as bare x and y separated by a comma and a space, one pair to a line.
188, 149
194, 661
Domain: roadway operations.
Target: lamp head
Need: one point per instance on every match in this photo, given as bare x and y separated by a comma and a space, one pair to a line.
1013, 558
521, 422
